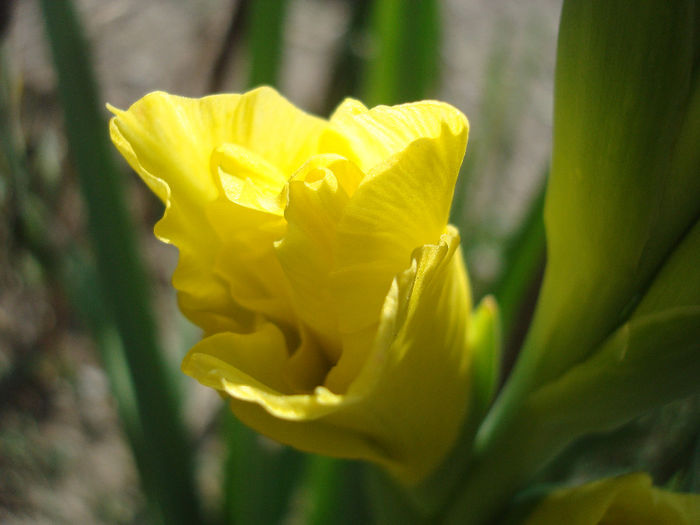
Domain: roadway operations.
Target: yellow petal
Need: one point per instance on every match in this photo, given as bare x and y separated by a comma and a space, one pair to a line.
402, 203
617, 501
320, 436
371, 136
421, 360
320, 259
246, 259
147, 137
247, 179
258, 357
317, 199
308, 365
250, 367
169, 141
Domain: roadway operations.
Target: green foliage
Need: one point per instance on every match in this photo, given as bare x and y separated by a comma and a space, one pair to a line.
162, 448
616, 331
485, 340
405, 62
259, 475
624, 187
265, 40
524, 256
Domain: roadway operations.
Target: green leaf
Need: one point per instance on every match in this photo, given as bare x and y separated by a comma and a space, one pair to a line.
652, 359
623, 192
406, 55
167, 455
524, 257
322, 485
259, 475
624, 185
333, 491
265, 40
648, 362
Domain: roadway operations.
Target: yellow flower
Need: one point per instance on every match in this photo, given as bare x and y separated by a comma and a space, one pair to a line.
316, 256
617, 501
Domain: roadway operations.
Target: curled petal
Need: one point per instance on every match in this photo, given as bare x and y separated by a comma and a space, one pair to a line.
317, 194
420, 347
370, 136
402, 203
169, 140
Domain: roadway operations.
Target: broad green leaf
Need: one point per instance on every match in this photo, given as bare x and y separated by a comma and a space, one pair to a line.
652, 359
623, 191
624, 184
648, 362
524, 258
623, 188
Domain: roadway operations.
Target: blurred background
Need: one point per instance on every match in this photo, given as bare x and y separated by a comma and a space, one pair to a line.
70, 421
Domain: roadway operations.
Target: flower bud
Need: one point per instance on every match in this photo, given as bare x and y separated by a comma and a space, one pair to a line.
316, 256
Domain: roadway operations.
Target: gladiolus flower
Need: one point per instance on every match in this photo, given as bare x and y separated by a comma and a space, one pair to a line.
617, 501
316, 257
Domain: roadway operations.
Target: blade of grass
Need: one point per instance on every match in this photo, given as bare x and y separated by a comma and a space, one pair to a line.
405, 64
332, 491
322, 484
265, 39
166, 449
523, 258
259, 475
80, 282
